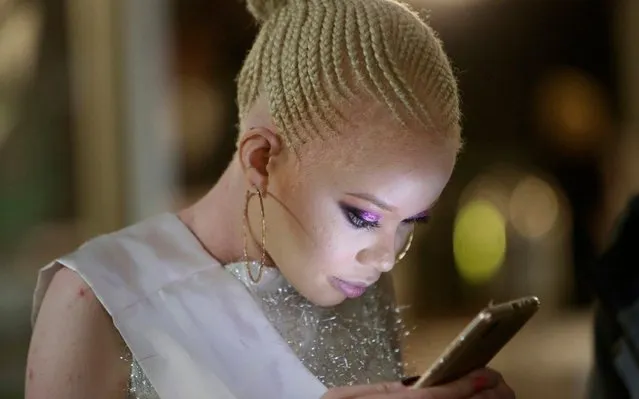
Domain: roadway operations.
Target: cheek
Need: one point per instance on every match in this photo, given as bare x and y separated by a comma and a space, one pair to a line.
326, 242
311, 229
329, 243
333, 250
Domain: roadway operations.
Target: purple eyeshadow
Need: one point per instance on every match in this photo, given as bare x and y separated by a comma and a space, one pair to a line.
370, 216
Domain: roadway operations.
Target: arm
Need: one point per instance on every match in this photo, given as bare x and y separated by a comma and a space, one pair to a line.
75, 350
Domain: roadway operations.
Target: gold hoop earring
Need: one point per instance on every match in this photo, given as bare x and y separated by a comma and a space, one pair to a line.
404, 251
247, 232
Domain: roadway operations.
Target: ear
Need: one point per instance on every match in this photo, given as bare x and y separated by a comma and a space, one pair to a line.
256, 149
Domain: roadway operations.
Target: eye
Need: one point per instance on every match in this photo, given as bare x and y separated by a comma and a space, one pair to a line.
358, 218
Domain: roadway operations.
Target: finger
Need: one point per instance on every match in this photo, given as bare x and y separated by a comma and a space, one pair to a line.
363, 390
489, 394
422, 393
466, 387
486, 379
502, 391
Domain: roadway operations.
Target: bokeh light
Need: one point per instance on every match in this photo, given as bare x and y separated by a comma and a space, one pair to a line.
534, 207
19, 35
573, 110
201, 112
479, 241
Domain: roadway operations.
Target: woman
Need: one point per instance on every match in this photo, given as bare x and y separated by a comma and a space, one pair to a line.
267, 287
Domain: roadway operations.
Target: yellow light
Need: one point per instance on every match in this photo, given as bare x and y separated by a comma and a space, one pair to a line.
479, 241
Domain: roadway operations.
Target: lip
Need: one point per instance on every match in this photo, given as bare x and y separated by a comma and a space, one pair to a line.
348, 288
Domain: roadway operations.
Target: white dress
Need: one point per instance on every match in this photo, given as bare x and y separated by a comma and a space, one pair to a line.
196, 329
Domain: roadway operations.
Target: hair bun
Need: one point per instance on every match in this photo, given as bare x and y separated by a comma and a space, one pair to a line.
263, 9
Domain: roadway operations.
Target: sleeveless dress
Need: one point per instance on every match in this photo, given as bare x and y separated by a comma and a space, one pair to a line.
197, 329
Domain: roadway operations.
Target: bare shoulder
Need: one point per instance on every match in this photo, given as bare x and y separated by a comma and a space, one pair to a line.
75, 350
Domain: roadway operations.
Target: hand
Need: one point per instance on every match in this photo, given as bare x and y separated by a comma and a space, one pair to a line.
480, 384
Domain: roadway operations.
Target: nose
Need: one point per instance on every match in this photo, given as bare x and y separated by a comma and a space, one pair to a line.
380, 257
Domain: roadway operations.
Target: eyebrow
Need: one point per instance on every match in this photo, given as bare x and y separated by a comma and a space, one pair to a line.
373, 200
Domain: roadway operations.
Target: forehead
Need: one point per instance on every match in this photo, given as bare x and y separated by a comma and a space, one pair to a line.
379, 158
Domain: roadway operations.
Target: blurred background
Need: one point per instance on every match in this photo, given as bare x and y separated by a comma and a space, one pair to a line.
113, 111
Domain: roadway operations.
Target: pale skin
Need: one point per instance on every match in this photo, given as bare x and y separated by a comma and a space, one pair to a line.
342, 209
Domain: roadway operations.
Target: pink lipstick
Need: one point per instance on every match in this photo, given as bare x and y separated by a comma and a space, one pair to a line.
350, 290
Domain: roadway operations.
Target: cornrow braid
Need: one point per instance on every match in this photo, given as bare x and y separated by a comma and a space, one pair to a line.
311, 58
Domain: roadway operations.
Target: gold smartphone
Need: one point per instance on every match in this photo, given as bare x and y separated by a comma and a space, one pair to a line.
480, 341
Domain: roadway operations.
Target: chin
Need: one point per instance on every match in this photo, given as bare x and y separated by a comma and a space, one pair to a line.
329, 303
321, 294
327, 300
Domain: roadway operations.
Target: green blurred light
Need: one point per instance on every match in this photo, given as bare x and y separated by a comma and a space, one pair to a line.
479, 242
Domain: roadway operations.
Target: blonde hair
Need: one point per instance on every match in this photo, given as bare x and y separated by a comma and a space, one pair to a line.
312, 58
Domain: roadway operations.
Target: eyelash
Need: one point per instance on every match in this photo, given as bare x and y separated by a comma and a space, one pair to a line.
419, 220
353, 216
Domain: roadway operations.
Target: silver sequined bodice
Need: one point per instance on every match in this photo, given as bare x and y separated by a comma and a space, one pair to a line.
355, 342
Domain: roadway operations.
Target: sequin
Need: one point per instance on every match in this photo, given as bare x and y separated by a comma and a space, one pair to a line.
356, 342
139, 385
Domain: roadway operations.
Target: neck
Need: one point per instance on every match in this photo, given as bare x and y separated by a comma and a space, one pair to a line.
217, 218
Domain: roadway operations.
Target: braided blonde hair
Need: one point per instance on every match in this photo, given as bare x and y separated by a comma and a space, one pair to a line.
313, 58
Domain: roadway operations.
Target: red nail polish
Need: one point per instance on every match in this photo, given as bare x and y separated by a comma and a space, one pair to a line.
480, 383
